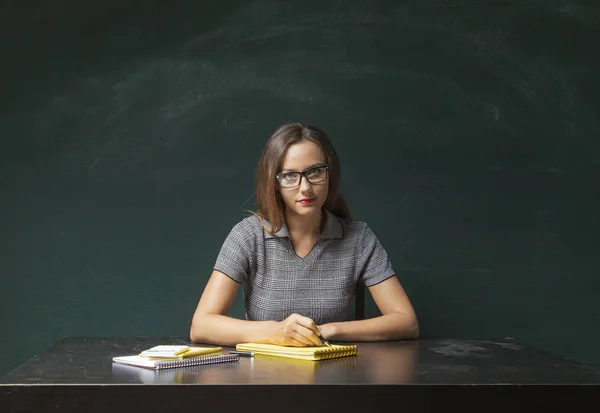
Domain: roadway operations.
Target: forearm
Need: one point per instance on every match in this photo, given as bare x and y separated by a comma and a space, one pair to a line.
227, 331
393, 326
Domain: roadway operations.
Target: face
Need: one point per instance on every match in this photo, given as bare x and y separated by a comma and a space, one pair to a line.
307, 198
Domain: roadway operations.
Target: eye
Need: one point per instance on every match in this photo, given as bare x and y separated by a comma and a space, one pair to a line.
314, 172
289, 176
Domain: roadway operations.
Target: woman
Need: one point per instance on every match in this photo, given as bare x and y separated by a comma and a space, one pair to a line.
300, 258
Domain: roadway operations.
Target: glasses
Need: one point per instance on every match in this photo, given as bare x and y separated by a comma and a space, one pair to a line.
312, 175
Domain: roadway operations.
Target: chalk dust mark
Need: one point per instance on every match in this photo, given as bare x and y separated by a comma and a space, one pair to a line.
136, 78
246, 201
112, 142
96, 161
510, 346
58, 101
556, 171
180, 106
587, 15
460, 349
525, 90
493, 111
197, 41
117, 114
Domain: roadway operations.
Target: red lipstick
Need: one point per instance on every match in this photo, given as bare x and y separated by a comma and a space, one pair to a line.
307, 201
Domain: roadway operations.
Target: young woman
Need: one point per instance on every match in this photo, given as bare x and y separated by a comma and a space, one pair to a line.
300, 257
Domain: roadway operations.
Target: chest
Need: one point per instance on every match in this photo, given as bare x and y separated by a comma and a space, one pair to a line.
303, 247
281, 264
319, 285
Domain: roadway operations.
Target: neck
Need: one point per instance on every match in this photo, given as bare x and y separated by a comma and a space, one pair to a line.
305, 226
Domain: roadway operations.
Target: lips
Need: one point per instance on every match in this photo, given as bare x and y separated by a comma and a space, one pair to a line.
306, 201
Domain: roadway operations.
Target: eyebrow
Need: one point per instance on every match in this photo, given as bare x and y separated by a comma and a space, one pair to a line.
314, 165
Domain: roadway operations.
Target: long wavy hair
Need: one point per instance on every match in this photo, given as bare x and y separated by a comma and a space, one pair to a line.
270, 204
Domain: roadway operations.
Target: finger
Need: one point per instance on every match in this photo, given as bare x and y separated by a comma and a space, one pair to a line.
321, 338
297, 343
308, 334
308, 323
299, 340
306, 327
293, 330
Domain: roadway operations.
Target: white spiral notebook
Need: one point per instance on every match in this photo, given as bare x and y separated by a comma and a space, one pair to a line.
147, 363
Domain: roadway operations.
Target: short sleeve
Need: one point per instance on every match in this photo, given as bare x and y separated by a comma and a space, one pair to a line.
234, 259
374, 263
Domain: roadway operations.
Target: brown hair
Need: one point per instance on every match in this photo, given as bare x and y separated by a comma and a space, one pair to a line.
270, 205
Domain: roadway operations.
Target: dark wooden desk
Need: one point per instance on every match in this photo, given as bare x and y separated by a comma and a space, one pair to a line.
77, 374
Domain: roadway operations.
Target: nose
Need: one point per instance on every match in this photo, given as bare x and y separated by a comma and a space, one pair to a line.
305, 185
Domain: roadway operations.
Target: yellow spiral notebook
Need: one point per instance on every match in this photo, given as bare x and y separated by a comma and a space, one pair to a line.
180, 352
303, 353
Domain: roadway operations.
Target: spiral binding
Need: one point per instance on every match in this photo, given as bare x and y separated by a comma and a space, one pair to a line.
334, 352
195, 361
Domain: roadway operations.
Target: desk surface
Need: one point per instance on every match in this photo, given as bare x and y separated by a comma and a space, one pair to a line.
80, 360
77, 374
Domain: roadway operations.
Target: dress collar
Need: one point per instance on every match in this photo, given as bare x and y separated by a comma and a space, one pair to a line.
332, 228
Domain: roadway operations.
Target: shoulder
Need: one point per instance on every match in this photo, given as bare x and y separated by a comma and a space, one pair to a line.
359, 234
248, 228
354, 229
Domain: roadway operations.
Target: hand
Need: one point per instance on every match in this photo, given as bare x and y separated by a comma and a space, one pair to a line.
297, 331
327, 331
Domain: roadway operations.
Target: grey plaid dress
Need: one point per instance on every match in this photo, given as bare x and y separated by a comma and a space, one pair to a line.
277, 282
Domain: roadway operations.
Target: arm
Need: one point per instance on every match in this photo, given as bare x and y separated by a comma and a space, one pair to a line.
397, 322
211, 325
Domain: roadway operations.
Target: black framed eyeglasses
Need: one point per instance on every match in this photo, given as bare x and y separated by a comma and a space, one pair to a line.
312, 175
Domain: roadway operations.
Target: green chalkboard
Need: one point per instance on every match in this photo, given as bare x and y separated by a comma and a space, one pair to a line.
468, 138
